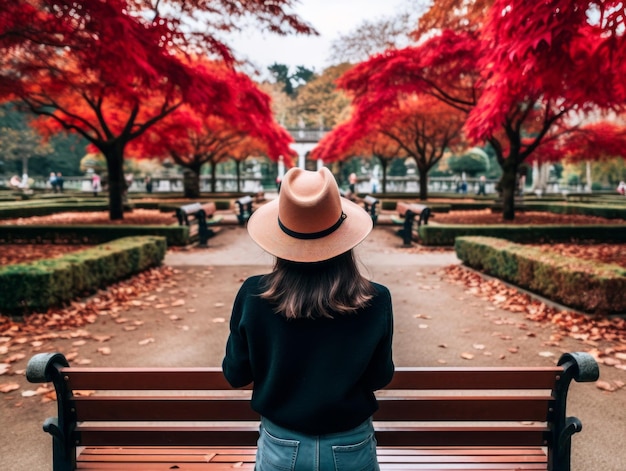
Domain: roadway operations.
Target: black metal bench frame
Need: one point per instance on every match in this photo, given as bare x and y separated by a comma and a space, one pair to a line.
511, 417
197, 214
244, 209
412, 211
371, 206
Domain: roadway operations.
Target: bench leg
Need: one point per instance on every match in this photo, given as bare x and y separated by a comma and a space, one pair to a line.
407, 230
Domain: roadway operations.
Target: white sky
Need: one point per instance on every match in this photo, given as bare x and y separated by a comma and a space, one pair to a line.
330, 18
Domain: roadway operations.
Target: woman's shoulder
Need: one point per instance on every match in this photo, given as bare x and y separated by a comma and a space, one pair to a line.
381, 291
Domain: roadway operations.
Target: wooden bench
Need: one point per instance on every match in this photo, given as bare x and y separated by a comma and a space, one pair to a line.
502, 418
198, 217
244, 209
371, 206
408, 212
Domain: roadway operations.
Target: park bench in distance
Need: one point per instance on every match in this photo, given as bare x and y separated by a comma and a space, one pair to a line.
371, 206
407, 213
198, 217
435, 418
244, 209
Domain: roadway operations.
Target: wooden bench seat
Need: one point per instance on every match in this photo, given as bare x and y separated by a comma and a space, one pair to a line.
429, 418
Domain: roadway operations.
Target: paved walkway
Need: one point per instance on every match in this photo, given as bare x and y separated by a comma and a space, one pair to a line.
435, 322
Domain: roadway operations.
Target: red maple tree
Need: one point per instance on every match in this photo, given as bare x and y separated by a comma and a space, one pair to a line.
521, 75
194, 139
420, 127
95, 67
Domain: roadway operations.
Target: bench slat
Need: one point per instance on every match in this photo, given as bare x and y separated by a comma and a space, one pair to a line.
389, 458
247, 435
396, 408
125, 379
474, 378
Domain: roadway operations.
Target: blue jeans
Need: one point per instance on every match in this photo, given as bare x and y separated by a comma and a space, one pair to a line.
281, 449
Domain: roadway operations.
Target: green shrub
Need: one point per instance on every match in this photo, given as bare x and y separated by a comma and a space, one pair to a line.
38, 285
581, 284
445, 234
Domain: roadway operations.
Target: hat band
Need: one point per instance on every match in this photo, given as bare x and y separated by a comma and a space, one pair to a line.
312, 235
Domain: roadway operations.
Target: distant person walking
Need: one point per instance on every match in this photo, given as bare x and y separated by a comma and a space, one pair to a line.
60, 181
621, 188
96, 186
148, 182
481, 186
53, 181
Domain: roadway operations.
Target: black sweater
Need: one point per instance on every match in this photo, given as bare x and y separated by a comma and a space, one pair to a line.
314, 376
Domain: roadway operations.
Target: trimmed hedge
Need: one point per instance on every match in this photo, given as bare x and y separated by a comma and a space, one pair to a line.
606, 209
50, 282
90, 234
581, 284
445, 234
44, 208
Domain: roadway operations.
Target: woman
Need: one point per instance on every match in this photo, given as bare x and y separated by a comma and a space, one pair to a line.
313, 336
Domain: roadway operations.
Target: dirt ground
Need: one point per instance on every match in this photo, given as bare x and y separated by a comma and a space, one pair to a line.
179, 317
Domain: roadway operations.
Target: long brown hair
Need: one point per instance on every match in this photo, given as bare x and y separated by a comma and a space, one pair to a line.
318, 289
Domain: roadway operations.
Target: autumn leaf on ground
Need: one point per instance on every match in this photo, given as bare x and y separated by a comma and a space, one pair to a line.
146, 341
104, 350
178, 302
467, 356
8, 387
605, 386
4, 368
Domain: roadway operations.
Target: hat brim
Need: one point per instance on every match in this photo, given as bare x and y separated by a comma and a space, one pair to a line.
264, 230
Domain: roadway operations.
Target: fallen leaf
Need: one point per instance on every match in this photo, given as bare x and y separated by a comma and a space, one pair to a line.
4, 368
218, 319
546, 354
104, 350
467, 356
178, 302
605, 386
146, 341
8, 387
478, 346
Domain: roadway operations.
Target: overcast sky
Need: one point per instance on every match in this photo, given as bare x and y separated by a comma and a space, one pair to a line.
329, 17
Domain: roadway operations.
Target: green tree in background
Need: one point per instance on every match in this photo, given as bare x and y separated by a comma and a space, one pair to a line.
291, 81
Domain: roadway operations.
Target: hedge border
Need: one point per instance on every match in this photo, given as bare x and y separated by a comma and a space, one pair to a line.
89, 234
580, 284
38, 285
445, 234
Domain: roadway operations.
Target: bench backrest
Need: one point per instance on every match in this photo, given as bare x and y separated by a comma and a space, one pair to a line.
518, 416
421, 406
402, 207
187, 210
244, 200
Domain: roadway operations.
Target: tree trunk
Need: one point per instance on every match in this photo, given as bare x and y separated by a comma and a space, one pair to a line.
213, 173
191, 181
117, 184
508, 184
423, 173
383, 164
238, 170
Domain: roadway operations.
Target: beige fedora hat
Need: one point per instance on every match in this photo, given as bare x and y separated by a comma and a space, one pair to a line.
309, 221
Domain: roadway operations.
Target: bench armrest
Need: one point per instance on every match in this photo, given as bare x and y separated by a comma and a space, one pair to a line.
580, 366
41, 367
